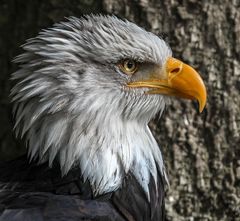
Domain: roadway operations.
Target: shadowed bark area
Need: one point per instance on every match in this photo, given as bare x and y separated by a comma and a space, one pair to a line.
202, 151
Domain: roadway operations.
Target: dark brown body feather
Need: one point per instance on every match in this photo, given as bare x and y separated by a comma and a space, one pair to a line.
36, 192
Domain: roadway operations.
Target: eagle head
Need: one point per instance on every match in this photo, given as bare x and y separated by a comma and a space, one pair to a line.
85, 92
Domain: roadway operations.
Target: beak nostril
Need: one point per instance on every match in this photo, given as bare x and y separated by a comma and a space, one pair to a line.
175, 71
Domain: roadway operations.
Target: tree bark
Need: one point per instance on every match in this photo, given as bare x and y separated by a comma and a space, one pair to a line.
201, 151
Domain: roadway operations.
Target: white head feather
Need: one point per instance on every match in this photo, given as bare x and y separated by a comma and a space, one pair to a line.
71, 102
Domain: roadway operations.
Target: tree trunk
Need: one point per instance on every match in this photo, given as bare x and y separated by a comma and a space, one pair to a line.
201, 151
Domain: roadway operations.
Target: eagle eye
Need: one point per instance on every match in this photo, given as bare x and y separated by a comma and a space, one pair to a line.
128, 66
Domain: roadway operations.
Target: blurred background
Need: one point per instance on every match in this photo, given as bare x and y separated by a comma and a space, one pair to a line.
201, 151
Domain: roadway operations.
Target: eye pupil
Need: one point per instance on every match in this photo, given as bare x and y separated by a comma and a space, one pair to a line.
128, 66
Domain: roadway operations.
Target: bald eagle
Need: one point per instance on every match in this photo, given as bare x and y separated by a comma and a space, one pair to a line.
84, 94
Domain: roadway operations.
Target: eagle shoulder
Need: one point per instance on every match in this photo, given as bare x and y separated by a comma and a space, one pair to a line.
29, 191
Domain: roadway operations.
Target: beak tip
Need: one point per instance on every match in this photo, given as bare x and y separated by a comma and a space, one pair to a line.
200, 108
201, 104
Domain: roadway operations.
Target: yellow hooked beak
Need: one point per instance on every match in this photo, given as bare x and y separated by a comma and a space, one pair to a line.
175, 79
